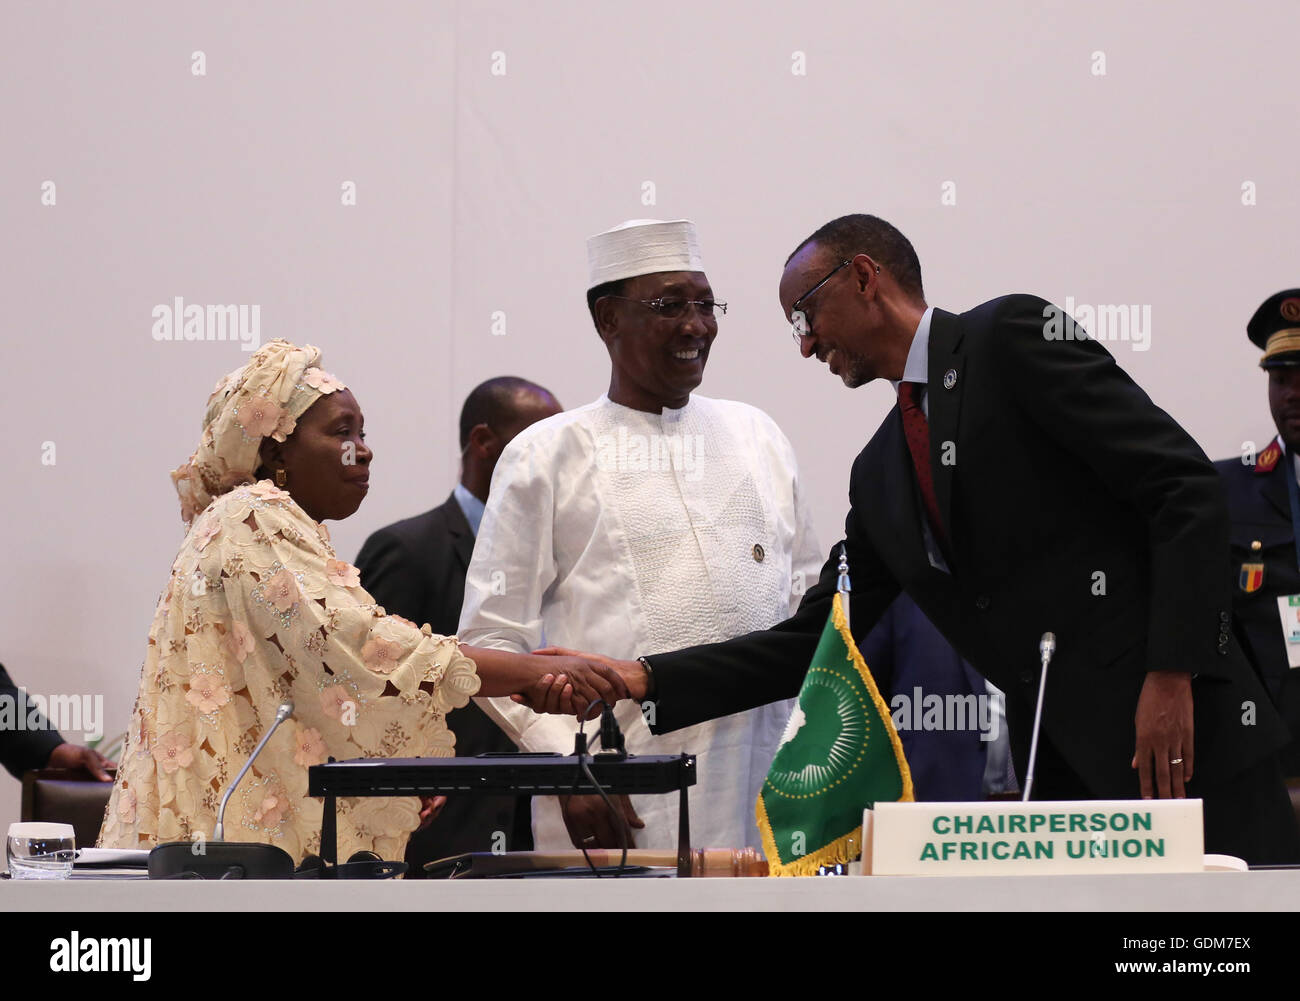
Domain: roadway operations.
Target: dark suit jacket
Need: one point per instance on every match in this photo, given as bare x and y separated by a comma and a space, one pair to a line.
1260, 512
416, 569
905, 646
1064, 470
24, 750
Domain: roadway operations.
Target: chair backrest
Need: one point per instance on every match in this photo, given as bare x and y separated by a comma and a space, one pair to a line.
66, 796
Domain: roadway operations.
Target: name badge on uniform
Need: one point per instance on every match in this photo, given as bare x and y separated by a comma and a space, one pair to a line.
1288, 607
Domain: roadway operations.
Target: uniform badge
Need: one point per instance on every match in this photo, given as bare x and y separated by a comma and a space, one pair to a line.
1290, 309
950, 378
1267, 459
1252, 577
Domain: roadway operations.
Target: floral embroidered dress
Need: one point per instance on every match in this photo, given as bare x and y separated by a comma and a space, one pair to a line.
259, 610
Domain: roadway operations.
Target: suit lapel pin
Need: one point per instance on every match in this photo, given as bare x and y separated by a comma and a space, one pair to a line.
950, 378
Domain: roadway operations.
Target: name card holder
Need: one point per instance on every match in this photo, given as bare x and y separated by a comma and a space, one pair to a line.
1041, 836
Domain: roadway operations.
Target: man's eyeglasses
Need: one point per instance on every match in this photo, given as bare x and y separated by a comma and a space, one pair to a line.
799, 321
675, 309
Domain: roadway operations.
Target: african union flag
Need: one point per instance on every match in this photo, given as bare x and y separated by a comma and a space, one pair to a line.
840, 754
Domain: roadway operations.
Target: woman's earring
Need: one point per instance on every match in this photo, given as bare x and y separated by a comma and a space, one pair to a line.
281, 479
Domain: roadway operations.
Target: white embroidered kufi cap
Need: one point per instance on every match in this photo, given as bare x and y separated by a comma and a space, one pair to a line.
642, 247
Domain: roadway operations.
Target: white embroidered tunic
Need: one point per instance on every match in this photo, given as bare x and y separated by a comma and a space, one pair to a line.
625, 533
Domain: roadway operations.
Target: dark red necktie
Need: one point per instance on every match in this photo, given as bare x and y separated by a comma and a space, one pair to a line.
916, 429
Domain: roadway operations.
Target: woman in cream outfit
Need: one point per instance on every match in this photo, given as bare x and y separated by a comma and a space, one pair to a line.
259, 609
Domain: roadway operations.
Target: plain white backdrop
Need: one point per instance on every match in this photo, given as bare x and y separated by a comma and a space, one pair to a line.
1096, 151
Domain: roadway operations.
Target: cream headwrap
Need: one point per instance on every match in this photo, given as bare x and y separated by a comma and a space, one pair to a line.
265, 397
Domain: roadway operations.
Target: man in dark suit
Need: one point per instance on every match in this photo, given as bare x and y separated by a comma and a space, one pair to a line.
1023, 484
37, 744
1261, 488
416, 568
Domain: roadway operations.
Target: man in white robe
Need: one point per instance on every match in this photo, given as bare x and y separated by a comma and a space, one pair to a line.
650, 519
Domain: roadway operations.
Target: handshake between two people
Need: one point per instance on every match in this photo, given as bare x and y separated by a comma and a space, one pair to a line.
567, 683
556, 680
579, 682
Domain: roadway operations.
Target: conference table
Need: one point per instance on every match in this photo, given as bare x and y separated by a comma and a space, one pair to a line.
1268, 890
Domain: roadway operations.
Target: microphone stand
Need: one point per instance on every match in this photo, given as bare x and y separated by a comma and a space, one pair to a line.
218, 858
1046, 648
282, 714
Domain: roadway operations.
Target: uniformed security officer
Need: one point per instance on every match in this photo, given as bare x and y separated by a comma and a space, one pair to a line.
1264, 507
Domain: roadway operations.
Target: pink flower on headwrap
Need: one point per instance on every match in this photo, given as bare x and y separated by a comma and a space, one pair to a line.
284, 426
319, 379
259, 416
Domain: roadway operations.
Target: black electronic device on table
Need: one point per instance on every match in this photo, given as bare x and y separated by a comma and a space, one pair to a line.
544, 774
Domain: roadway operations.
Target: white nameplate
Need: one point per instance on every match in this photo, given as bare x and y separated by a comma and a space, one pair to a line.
982, 839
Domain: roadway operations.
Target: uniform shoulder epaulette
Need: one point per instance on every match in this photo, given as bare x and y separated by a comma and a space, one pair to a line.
1267, 459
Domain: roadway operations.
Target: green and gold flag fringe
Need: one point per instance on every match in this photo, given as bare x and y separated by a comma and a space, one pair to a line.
841, 802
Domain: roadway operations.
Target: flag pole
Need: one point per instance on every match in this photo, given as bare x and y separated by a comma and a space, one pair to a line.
843, 586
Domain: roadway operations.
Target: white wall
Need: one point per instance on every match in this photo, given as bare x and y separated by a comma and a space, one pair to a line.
475, 193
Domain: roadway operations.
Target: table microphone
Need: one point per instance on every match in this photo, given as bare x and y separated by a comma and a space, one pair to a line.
1046, 649
611, 736
281, 714
219, 858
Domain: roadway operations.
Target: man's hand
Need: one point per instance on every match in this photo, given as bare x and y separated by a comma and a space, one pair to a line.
74, 757
1164, 734
430, 807
631, 671
591, 825
573, 685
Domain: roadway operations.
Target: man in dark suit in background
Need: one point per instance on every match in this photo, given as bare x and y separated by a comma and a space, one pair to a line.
1024, 483
416, 568
1261, 489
